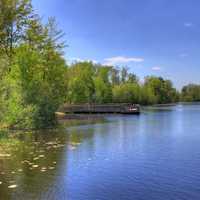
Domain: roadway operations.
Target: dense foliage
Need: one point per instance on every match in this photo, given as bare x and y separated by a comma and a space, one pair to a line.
35, 79
33, 71
191, 93
94, 83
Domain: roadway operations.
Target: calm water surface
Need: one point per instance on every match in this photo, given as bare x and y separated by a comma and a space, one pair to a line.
152, 156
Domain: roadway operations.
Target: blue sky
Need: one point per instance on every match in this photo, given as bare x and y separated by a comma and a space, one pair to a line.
151, 37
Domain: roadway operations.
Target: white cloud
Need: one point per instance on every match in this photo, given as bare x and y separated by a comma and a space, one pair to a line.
188, 24
121, 60
156, 68
118, 60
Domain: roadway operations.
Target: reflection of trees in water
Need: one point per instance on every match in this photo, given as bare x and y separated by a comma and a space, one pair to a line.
33, 161
30, 161
76, 136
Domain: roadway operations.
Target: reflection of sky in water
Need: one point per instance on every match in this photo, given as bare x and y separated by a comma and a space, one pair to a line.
152, 156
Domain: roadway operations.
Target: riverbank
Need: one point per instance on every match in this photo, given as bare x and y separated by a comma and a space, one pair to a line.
71, 118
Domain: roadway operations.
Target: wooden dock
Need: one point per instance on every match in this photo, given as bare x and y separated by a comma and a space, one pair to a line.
101, 108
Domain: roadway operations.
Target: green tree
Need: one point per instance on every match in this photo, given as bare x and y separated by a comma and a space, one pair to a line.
147, 96
126, 93
190, 93
162, 89
103, 88
132, 78
37, 80
14, 18
115, 78
81, 84
124, 74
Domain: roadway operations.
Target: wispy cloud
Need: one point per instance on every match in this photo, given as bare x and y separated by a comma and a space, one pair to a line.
118, 60
183, 55
156, 68
188, 24
121, 60
72, 60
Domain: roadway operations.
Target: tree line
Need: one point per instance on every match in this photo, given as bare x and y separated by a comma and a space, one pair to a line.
35, 78
96, 83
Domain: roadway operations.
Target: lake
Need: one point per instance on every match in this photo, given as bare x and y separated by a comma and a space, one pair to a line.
153, 156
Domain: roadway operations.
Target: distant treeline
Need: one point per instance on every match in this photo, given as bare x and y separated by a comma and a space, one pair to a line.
96, 83
35, 78
190, 93
93, 83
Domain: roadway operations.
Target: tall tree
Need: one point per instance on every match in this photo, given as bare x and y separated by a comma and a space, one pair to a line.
124, 74
81, 84
132, 78
115, 78
37, 77
14, 18
103, 88
191, 92
162, 89
126, 93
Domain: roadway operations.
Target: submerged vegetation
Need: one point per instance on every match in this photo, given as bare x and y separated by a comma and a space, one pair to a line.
35, 79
